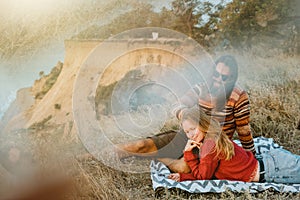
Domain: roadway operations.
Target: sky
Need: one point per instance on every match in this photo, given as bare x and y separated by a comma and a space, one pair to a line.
19, 72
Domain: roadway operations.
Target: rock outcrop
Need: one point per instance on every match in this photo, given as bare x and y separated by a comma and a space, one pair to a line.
50, 98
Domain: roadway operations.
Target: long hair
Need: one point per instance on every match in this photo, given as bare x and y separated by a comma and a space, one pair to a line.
213, 130
230, 62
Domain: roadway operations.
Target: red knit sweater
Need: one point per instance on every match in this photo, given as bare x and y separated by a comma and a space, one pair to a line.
239, 168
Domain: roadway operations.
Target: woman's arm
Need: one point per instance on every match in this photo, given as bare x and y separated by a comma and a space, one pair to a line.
184, 176
203, 168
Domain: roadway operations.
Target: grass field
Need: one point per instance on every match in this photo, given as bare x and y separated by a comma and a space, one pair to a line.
273, 87
272, 82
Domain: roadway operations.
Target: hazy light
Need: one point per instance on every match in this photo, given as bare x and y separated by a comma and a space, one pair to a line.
34, 7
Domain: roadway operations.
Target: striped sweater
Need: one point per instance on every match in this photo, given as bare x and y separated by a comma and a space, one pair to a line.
234, 117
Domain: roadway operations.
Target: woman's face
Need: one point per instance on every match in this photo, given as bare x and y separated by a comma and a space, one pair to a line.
193, 130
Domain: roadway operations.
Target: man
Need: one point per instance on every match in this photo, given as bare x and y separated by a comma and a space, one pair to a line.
221, 99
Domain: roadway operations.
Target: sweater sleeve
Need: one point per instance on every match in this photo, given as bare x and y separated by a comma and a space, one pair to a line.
187, 177
242, 120
189, 99
204, 168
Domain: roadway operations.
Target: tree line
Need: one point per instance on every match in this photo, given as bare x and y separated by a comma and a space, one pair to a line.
210, 24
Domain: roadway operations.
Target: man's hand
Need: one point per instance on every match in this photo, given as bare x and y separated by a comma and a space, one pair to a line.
174, 176
180, 113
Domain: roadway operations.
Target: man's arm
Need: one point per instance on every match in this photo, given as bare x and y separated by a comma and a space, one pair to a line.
189, 99
242, 121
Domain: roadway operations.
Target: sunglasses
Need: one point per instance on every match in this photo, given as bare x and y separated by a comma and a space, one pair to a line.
223, 76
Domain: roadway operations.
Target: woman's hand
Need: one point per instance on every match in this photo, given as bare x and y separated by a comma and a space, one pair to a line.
191, 144
174, 176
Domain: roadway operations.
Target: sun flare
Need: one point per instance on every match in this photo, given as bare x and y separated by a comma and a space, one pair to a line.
35, 7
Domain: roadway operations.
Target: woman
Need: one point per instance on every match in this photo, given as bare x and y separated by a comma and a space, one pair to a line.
221, 158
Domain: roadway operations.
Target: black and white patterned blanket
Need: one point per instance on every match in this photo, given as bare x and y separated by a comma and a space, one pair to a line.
159, 176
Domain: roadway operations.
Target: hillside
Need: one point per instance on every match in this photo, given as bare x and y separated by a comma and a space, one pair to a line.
272, 83
56, 102
106, 92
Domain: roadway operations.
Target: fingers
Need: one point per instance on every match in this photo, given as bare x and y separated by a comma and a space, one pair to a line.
190, 142
175, 177
189, 147
198, 144
193, 145
194, 142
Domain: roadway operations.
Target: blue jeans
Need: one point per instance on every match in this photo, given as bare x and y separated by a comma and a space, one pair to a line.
281, 166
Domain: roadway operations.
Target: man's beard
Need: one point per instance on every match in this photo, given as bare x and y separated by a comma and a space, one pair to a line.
221, 94
217, 91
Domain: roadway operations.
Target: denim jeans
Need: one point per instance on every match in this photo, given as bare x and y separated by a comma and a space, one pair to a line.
281, 166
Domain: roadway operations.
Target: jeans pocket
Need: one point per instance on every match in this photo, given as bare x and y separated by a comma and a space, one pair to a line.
269, 164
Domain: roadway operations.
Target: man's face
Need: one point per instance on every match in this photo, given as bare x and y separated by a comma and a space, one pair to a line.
220, 76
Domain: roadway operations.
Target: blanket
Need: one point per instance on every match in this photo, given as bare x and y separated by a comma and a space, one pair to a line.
159, 176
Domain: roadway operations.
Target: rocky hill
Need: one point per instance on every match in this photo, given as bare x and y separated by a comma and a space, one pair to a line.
50, 98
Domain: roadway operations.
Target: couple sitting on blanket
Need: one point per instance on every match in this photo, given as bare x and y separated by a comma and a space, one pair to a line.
223, 108
219, 157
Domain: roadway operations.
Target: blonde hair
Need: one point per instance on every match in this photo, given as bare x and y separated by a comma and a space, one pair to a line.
213, 130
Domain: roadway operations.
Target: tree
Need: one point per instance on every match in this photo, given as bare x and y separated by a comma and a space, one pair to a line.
141, 15
243, 19
187, 16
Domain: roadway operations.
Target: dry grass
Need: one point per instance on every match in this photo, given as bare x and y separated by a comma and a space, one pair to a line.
272, 83
273, 87
274, 93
